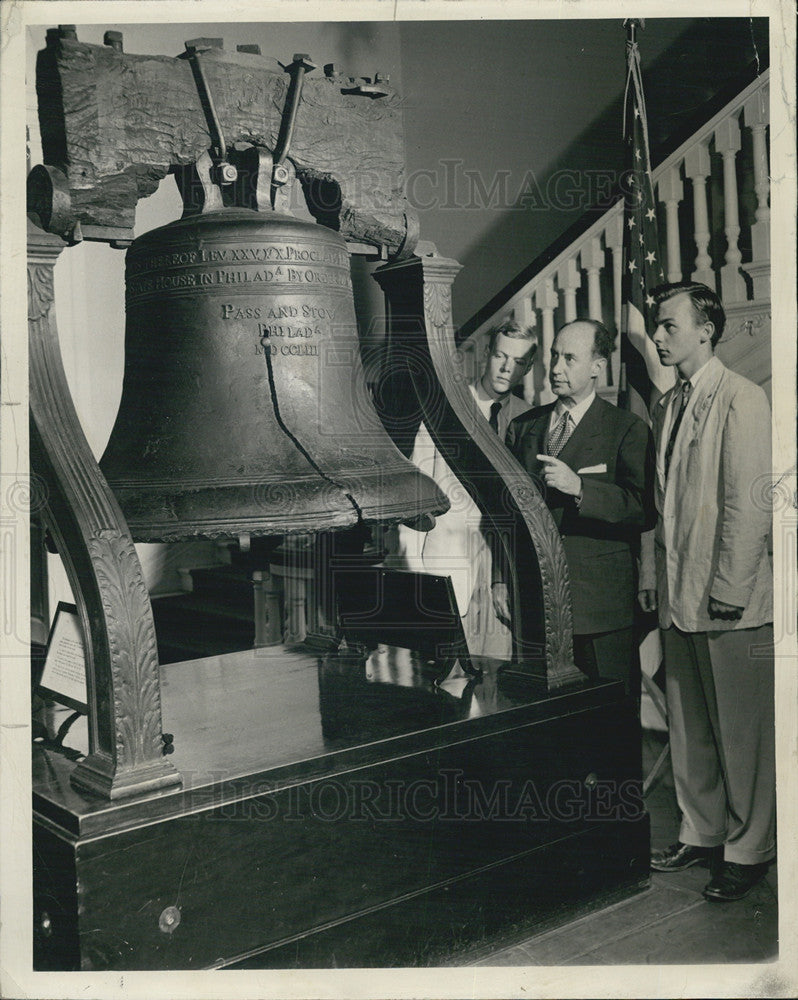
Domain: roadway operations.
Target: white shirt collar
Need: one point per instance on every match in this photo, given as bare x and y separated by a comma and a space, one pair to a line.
696, 377
483, 397
576, 412
694, 380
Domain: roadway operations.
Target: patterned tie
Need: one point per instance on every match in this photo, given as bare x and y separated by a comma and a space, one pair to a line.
494, 415
560, 433
677, 422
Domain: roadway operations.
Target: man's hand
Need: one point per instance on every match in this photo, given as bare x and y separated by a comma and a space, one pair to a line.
501, 602
647, 599
727, 612
559, 476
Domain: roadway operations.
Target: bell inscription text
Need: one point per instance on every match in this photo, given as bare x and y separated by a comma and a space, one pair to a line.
187, 269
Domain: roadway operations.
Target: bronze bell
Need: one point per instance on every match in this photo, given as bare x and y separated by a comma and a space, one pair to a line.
244, 406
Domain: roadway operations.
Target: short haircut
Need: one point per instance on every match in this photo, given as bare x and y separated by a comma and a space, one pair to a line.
603, 340
706, 304
515, 331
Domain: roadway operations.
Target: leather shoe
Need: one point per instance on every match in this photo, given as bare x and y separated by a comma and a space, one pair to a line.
679, 856
733, 881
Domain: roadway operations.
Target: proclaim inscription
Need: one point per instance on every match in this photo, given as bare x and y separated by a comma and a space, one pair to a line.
283, 254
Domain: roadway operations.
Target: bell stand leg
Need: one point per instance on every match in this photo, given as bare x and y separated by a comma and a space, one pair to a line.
124, 698
421, 337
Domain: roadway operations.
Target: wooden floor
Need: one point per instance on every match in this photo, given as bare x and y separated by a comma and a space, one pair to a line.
669, 924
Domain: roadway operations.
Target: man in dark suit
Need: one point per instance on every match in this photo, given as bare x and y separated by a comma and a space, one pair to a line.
594, 465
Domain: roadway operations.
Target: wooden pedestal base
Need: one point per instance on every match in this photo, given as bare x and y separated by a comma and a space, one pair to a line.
336, 815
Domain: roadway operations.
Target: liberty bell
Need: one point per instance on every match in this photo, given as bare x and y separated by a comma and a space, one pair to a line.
244, 405
245, 409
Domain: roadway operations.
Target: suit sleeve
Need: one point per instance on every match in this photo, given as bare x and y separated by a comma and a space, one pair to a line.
745, 479
630, 499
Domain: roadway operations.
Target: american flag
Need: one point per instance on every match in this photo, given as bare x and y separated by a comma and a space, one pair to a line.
646, 379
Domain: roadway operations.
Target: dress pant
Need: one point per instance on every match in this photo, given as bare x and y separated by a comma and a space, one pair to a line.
721, 732
610, 656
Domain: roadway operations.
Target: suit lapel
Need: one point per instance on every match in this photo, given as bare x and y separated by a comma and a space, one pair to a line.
659, 422
585, 441
697, 412
537, 431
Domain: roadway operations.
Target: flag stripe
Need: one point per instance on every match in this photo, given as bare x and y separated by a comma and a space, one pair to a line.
642, 258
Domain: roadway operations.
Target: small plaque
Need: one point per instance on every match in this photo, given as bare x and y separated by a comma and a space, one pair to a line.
64, 674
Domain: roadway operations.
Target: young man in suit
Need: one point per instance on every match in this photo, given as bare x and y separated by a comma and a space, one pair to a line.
714, 593
594, 465
509, 354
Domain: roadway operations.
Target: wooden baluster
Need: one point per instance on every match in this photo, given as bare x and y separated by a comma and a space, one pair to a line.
697, 167
569, 278
591, 259
546, 300
613, 236
756, 118
727, 143
469, 352
671, 192
524, 315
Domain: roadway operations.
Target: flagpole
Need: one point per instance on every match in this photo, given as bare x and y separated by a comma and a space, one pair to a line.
631, 24
649, 650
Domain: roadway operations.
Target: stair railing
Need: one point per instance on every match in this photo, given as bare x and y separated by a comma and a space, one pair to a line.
585, 278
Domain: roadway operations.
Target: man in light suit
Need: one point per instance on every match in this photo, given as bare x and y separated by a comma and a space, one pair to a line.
594, 464
714, 592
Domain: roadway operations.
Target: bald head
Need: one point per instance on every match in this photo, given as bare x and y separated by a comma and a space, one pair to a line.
578, 355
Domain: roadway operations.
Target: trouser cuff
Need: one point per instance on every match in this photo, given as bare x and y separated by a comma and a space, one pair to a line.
740, 856
687, 835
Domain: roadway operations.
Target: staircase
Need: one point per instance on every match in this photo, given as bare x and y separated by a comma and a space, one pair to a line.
714, 225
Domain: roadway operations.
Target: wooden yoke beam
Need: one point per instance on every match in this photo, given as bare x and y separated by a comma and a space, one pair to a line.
116, 124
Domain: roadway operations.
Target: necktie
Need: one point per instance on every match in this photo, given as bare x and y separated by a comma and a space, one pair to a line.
559, 434
677, 422
494, 415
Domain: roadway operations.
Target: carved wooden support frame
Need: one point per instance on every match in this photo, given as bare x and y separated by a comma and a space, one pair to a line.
422, 350
125, 732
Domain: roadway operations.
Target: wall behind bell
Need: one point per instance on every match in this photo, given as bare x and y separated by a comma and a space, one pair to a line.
512, 128
89, 278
